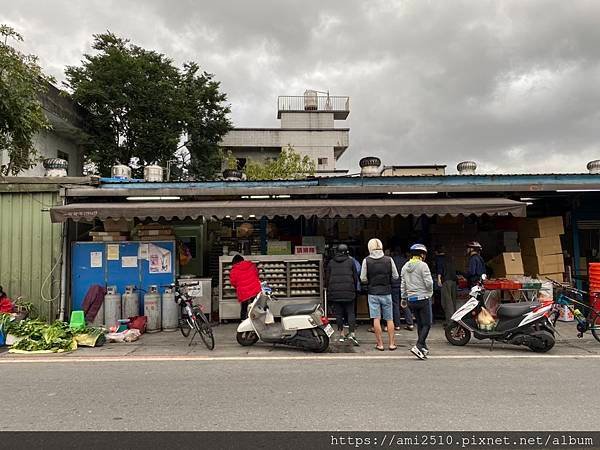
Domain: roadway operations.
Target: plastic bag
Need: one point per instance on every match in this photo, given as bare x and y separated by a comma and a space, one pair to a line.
485, 318
130, 335
138, 323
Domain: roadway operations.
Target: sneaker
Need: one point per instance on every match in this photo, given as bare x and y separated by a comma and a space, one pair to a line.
425, 352
353, 339
415, 351
342, 338
409, 327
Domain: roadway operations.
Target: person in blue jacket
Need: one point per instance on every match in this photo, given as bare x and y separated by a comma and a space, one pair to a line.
476, 266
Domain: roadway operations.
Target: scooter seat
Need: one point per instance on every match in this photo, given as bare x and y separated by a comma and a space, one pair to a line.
512, 310
296, 310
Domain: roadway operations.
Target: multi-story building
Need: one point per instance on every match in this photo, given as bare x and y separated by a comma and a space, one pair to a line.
307, 125
63, 141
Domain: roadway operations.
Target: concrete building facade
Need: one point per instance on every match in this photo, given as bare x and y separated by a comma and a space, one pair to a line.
63, 141
307, 125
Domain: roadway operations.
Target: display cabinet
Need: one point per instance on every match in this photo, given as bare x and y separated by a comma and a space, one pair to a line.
294, 279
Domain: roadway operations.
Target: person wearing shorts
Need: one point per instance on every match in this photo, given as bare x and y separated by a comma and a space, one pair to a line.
377, 272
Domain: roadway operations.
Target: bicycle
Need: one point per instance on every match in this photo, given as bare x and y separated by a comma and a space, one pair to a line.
192, 316
590, 322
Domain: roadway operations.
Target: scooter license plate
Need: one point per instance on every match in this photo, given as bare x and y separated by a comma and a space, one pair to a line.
329, 330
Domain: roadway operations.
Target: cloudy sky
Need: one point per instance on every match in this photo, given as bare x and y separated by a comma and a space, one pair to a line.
513, 85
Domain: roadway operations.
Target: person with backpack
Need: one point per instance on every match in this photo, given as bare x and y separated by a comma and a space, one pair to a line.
377, 272
244, 278
341, 277
417, 290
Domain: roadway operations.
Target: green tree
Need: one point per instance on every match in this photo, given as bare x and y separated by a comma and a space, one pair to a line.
131, 96
140, 107
289, 165
21, 115
205, 121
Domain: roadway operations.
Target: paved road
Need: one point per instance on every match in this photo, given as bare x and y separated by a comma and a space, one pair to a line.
503, 393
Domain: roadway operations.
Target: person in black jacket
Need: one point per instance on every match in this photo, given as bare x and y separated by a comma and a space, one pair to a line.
341, 279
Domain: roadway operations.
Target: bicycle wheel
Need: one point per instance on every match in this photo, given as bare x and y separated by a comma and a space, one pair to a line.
204, 330
184, 325
594, 320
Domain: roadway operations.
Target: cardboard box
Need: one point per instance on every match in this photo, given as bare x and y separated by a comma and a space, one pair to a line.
116, 225
507, 264
542, 265
541, 246
279, 248
109, 238
558, 277
161, 232
107, 233
544, 227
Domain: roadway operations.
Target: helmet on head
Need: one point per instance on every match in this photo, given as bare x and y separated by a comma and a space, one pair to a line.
418, 249
474, 245
342, 249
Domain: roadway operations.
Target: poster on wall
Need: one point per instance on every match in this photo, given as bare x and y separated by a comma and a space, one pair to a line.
143, 251
129, 261
96, 259
112, 252
159, 259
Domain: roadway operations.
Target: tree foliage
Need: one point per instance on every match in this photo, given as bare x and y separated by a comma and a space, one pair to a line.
205, 121
140, 107
21, 114
289, 165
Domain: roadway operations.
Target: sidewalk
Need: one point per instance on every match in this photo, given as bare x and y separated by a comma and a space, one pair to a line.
173, 344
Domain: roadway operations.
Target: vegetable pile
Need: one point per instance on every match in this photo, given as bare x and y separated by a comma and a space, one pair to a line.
35, 335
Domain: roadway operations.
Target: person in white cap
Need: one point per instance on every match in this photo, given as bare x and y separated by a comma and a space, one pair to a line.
377, 272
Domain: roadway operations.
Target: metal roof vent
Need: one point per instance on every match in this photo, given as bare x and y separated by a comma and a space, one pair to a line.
594, 166
369, 166
55, 167
466, 167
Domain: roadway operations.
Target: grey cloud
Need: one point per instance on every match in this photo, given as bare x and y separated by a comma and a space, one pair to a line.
514, 85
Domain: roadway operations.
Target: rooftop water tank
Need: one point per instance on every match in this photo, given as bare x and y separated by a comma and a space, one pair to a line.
153, 173
311, 100
121, 171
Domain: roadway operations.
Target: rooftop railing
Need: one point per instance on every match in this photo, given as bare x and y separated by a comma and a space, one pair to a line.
338, 105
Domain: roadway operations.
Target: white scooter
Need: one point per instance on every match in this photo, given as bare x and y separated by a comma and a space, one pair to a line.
305, 326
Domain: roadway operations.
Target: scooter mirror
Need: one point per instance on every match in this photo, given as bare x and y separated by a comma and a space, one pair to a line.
484, 277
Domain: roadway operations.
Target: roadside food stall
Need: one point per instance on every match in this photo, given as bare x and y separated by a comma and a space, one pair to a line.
290, 239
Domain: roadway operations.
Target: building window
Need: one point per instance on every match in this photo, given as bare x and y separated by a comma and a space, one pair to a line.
323, 162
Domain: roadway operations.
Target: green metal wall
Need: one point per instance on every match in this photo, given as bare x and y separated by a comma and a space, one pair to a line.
30, 246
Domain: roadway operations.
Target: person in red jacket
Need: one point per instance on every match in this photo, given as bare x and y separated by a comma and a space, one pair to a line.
244, 278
